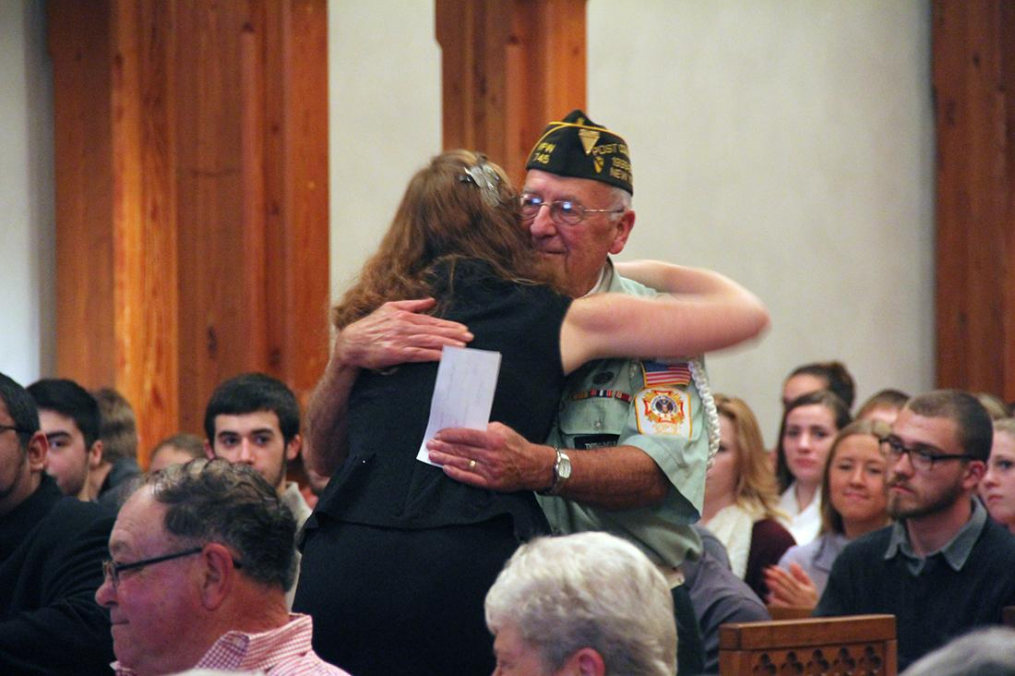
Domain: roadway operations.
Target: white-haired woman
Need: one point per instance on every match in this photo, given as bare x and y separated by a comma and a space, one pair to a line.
588, 603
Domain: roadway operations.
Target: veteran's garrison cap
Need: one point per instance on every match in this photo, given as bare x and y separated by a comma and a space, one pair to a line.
578, 147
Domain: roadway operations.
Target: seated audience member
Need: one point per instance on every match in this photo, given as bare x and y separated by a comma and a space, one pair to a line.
51, 551
589, 603
113, 478
994, 405
201, 557
998, 486
944, 567
853, 503
985, 652
809, 425
254, 419
823, 375
883, 405
176, 450
70, 419
741, 497
718, 596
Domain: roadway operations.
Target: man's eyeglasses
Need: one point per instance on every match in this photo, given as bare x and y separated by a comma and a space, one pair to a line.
562, 212
112, 570
922, 458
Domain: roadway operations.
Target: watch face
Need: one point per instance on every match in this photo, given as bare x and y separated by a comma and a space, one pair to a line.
564, 467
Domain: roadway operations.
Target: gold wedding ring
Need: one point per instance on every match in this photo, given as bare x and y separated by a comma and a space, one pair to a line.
472, 465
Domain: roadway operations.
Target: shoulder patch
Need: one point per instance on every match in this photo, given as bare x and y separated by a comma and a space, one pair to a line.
657, 373
664, 411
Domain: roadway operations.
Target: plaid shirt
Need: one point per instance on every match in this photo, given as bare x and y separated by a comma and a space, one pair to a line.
284, 651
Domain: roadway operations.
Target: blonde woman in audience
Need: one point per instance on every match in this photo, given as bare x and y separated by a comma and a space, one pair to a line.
998, 485
741, 497
994, 405
853, 503
809, 425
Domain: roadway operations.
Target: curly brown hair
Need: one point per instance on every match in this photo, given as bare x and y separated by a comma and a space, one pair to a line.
459, 207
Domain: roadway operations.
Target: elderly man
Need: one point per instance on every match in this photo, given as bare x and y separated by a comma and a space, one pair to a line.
588, 604
944, 567
201, 557
630, 449
51, 551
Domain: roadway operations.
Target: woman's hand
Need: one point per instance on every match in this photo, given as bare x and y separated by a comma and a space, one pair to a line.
793, 588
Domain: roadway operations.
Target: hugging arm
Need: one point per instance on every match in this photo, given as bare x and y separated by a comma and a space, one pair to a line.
396, 333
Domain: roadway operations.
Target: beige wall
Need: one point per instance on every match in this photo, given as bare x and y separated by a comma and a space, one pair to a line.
790, 145
27, 323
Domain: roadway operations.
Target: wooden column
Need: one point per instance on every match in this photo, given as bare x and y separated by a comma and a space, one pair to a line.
974, 87
509, 67
192, 222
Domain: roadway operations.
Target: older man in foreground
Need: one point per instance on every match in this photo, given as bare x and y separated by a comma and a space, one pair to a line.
202, 555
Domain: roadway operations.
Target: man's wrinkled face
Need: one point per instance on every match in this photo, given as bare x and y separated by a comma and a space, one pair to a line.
68, 455
255, 439
151, 609
578, 251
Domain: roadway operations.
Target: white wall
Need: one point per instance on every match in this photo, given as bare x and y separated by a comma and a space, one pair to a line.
790, 145
27, 324
385, 119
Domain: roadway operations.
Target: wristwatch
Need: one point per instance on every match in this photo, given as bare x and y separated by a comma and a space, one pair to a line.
561, 473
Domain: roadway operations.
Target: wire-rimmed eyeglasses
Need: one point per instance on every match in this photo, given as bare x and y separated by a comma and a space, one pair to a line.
562, 212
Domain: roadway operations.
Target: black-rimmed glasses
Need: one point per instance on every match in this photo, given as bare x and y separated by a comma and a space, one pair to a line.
112, 569
562, 212
921, 457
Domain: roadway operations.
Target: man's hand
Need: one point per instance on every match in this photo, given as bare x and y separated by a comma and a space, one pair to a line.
396, 333
497, 458
793, 588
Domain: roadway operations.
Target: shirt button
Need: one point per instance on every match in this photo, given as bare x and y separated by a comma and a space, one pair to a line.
598, 424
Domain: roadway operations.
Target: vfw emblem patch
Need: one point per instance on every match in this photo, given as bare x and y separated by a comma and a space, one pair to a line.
664, 410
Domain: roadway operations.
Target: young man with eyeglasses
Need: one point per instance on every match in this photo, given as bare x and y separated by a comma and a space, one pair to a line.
51, 551
200, 560
944, 567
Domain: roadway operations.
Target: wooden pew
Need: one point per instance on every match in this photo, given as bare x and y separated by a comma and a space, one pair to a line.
856, 645
789, 612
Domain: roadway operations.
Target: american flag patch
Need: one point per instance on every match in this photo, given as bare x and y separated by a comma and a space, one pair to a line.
658, 374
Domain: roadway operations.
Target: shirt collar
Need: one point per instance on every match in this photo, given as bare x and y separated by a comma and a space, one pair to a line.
955, 553
240, 651
605, 279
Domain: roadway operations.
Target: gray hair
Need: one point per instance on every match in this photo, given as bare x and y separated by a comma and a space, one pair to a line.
589, 590
232, 504
620, 198
986, 652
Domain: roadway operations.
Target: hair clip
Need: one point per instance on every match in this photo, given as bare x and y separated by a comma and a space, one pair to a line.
486, 179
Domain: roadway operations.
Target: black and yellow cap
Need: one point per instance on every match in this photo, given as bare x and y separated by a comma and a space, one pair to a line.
578, 147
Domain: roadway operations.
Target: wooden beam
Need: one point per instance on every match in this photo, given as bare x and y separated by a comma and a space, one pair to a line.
509, 67
974, 87
192, 201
